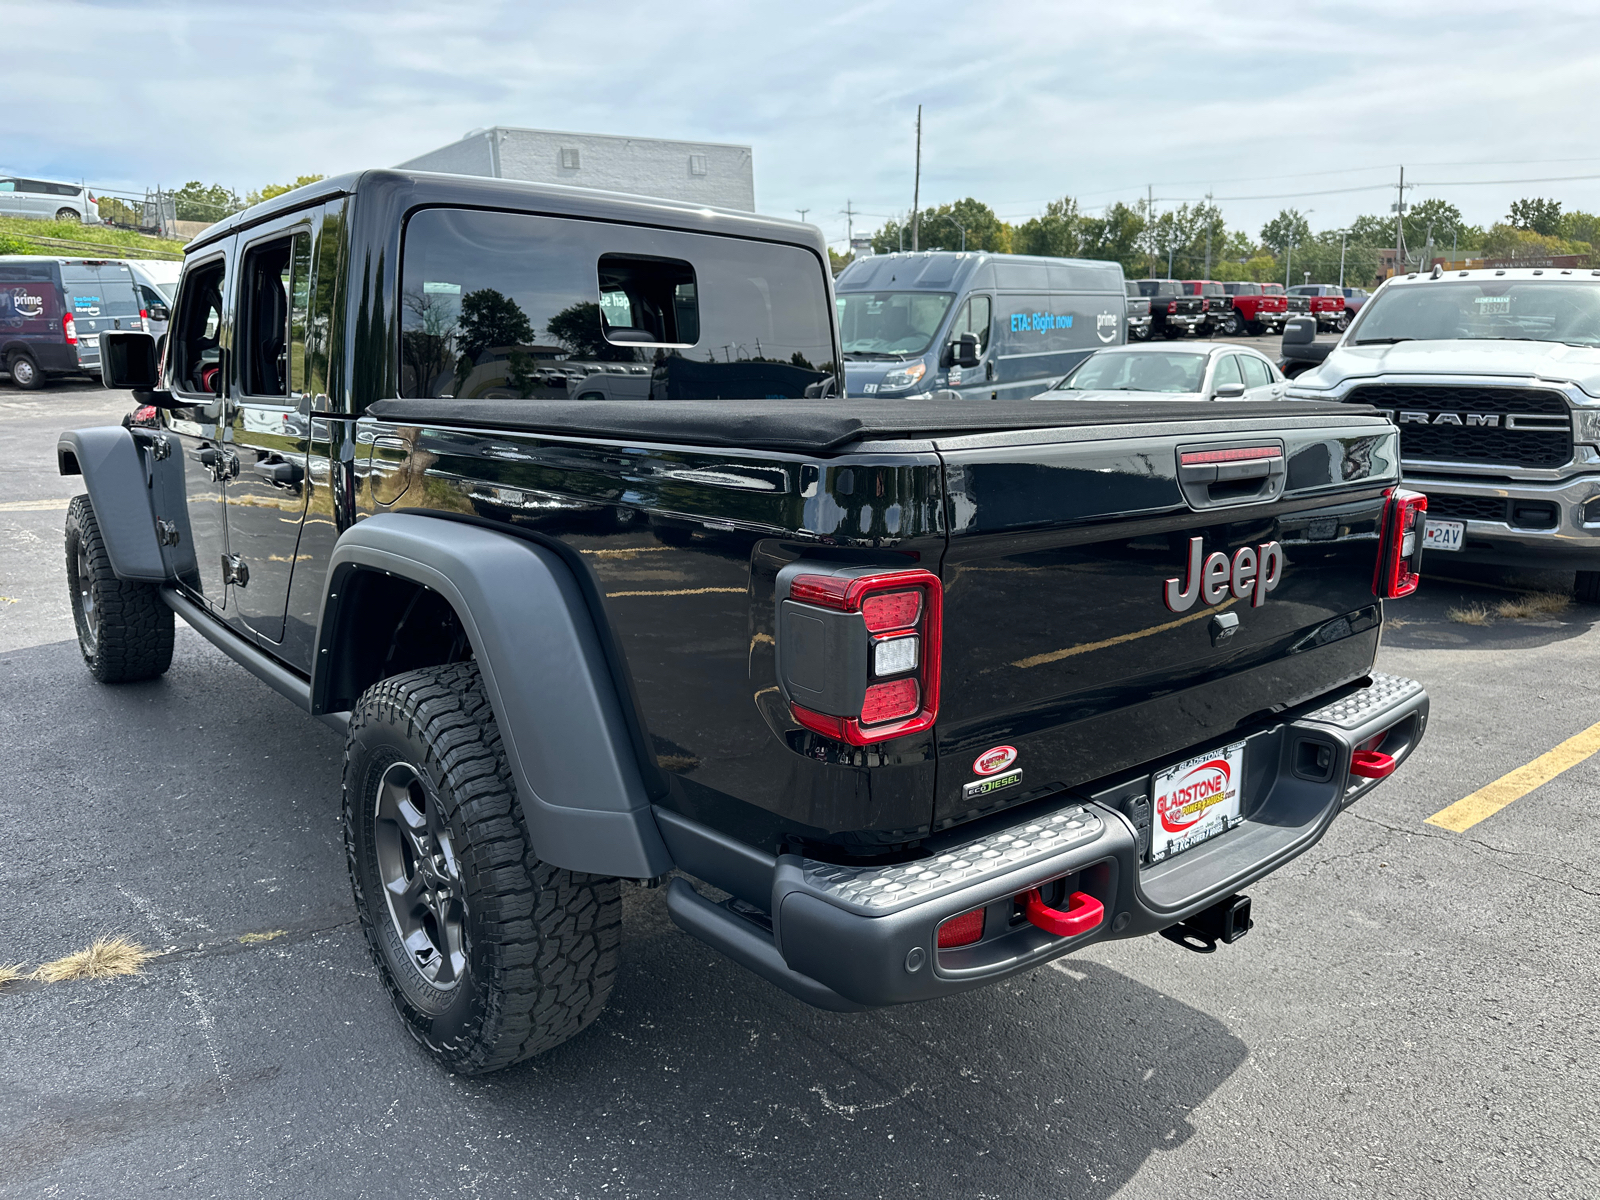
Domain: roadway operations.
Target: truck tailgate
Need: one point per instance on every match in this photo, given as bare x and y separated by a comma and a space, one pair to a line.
1058, 640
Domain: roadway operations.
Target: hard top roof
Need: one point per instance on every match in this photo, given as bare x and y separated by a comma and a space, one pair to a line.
1417, 278
434, 187
953, 270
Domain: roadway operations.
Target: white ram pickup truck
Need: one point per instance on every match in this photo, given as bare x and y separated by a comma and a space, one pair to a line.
1493, 377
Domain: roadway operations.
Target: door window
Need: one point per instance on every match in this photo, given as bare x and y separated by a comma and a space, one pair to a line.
276, 299
195, 349
974, 317
1256, 372
1227, 371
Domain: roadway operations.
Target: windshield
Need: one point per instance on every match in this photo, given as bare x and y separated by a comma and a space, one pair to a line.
1144, 371
1524, 310
892, 323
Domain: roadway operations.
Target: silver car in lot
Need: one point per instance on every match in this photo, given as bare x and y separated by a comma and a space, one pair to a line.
1218, 372
47, 200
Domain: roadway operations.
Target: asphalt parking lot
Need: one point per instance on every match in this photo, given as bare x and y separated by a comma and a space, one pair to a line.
1414, 1015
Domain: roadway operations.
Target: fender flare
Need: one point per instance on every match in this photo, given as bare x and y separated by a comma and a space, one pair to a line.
565, 735
119, 489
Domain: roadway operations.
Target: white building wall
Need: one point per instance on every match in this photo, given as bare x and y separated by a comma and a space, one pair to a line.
710, 173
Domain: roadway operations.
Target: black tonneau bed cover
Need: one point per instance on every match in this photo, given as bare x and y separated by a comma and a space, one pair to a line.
825, 424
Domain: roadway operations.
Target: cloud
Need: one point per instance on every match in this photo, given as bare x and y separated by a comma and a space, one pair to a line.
1022, 102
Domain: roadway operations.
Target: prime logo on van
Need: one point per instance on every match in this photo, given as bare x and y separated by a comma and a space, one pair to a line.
1251, 571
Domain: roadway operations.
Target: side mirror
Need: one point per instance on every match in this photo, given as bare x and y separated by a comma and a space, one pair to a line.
128, 360
160, 312
1301, 331
967, 350
1229, 391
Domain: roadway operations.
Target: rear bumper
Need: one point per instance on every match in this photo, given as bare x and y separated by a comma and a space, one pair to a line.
1541, 524
847, 938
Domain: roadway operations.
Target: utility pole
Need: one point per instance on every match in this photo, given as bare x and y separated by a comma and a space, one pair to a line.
916, 187
1399, 226
1344, 236
1150, 223
1207, 273
849, 225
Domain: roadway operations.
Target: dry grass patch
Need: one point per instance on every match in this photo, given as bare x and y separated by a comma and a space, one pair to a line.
10, 973
105, 959
250, 939
1534, 604
1469, 614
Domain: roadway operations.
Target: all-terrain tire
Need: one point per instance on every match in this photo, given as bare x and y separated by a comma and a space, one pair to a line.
124, 628
1586, 587
535, 947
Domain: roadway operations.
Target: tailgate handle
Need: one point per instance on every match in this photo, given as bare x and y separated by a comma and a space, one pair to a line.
1083, 913
1211, 476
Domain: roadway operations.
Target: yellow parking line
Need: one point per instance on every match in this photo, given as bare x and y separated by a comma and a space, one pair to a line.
36, 505
1490, 799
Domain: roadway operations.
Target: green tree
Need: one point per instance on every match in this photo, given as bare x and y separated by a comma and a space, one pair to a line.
1536, 216
1578, 226
1056, 234
490, 319
1508, 241
838, 262
939, 228
194, 201
278, 189
1289, 228
577, 327
1117, 234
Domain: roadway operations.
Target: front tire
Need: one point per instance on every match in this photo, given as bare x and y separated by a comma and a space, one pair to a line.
490, 955
1586, 587
124, 628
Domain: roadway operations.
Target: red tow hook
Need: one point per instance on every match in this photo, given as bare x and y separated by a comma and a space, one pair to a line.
1083, 913
1371, 764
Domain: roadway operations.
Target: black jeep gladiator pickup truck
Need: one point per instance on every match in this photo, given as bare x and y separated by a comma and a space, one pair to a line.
933, 692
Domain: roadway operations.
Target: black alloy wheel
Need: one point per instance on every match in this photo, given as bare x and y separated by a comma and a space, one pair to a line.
1230, 325
124, 627
489, 954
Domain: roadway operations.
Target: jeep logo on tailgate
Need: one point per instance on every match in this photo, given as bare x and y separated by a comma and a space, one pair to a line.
1252, 571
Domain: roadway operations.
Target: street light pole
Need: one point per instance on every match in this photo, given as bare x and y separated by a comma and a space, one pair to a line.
1344, 236
961, 227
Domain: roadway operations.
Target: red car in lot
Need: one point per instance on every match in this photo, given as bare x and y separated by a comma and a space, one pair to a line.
1326, 303
1255, 310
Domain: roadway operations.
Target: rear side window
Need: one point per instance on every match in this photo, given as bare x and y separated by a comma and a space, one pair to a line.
1256, 371
272, 327
1227, 371
517, 306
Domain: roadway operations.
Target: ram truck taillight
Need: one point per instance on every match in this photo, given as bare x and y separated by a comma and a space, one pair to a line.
69, 329
1172, 306
859, 650
1399, 568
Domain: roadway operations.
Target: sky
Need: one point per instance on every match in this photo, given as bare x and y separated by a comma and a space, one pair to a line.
1309, 105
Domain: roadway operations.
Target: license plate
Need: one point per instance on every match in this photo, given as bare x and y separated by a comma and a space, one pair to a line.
90, 339
1196, 800
1443, 535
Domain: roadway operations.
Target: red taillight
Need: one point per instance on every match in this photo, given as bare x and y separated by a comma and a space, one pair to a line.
1400, 545
962, 930
1172, 306
1194, 458
891, 610
69, 329
903, 615
144, 314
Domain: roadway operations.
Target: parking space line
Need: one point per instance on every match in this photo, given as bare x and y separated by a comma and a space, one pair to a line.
49, 505
1491, 798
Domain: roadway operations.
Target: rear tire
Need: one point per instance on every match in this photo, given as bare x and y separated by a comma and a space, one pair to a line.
1141, 334
124, 628
1230, 325
25, 372
1341, 322
69, 214
490, 955
1586, 587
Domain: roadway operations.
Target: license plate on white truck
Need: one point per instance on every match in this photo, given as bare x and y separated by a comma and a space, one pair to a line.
1196, 800
1443, 535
